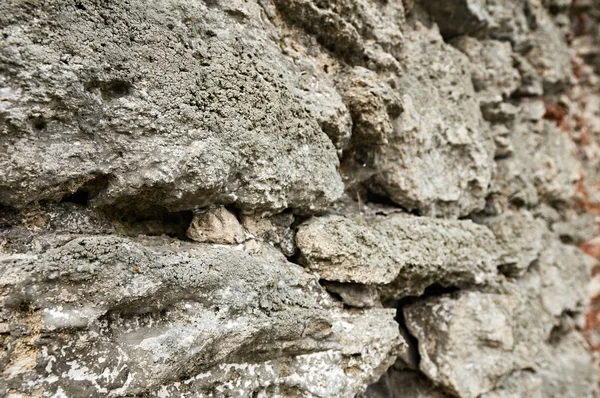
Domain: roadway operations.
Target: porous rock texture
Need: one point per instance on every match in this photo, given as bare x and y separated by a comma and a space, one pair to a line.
298, 198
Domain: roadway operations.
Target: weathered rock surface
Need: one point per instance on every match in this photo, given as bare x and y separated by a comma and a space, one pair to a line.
508, 330
115, 316
542, 168
526, 24
403, 384
522, 384
494, 77
358, 31
482, 319
404, 254
440, 128
276, 230
565, 371
354, 294
216, 226
521, 238
577, 229
179, 104
298, 198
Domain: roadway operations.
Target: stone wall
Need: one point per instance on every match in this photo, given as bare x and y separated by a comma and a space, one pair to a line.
298, 198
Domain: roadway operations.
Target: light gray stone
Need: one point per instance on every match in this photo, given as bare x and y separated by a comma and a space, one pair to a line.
360, 32
403, 384
526, 24
577, 228
440, 128
409, 179
354, 294
548, 52
373, 105
276, 230
115, 316
524, 384
563, 269
177, 104
460, 17
521, 237
404, 254
492, 71
443, 326
566, 371
510, 328
542, 168
344, 251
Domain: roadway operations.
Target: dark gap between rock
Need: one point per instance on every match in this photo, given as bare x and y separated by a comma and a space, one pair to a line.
154, 221
88, 191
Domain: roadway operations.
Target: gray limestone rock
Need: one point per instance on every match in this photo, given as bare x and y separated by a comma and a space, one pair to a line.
403, 254
113, 316
521, 237
492, 71
276, 230
460, 17
531, 82
211, 198
440, 128
178, 104
524, 384
360, 32
526, 24
542, 167
509, 329
345, 251
501, 136
354, 294
577, 229
443, 325
373, 105
565, 369
546, 49
532, 109
403, 384
563, 268
36, 229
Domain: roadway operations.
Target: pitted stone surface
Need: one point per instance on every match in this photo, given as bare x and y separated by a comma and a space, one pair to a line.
440, 128
177, 104
508, 330
403, 384
526, 24
298, 198
361, 32
483, 319
404, 254
521, 237
492, 71
542, 168
522, 384
129, 316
